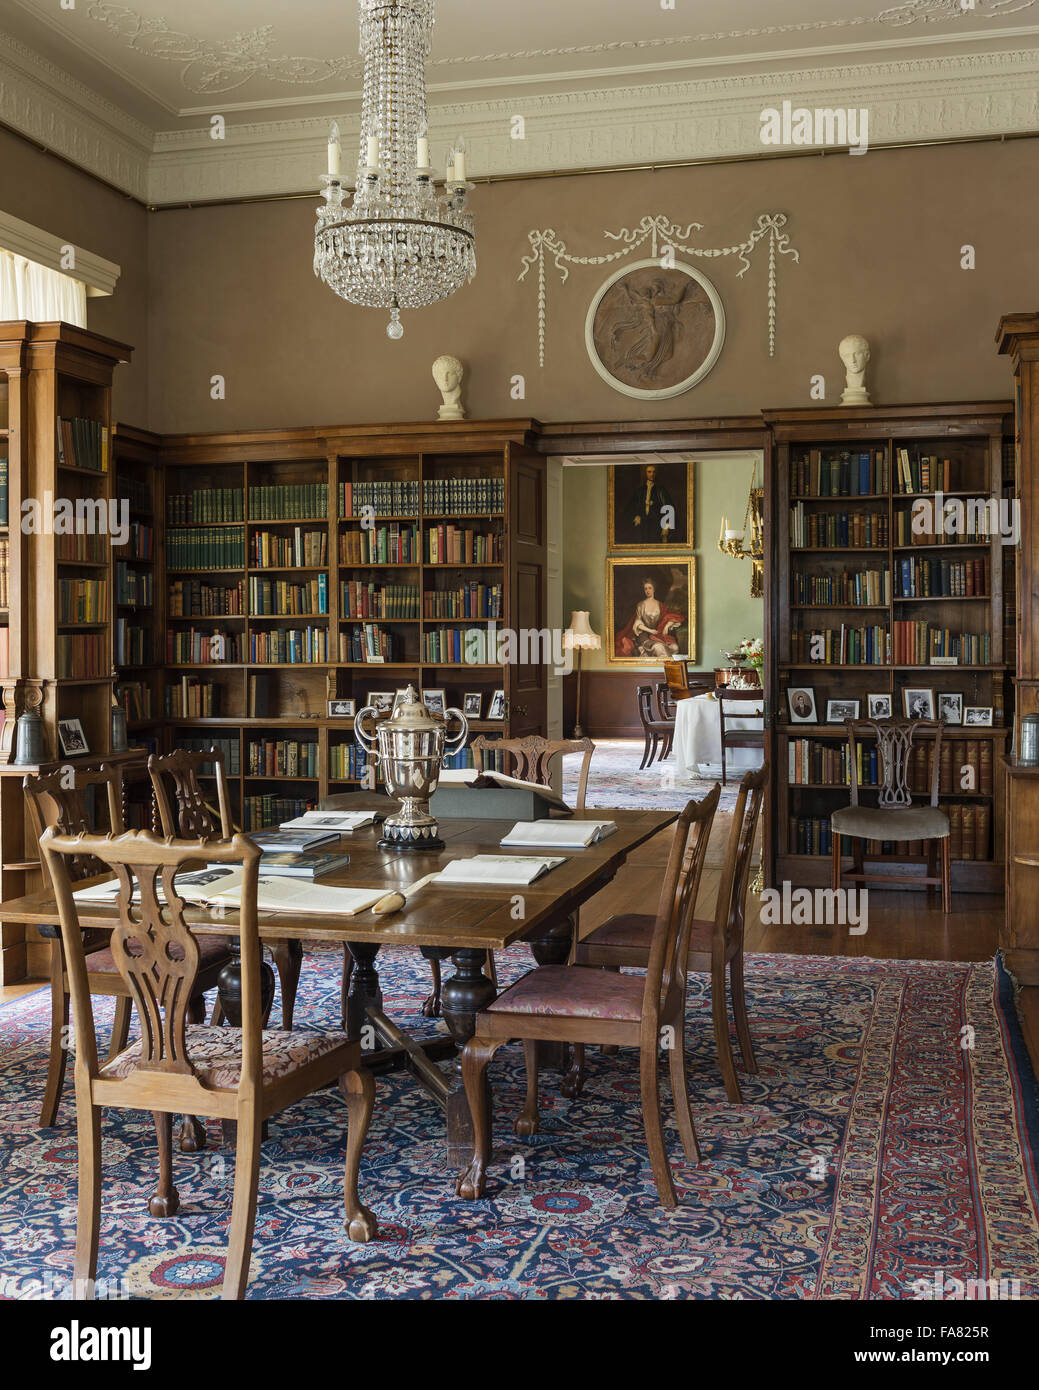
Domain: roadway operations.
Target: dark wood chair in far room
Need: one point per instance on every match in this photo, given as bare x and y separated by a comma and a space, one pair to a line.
666, 705
240, 1074
196, 818
658, 733
715, 946
567, 1003
894, 817
52, 801
738, 738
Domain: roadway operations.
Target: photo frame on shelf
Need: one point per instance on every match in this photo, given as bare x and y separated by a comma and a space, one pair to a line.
342, 709
918, 702
472, 704
978, 717
950, 706
650, 505
650, 610
381, 701
72, 738
496, 709
435, 702
800, 701
879, 706
838, 711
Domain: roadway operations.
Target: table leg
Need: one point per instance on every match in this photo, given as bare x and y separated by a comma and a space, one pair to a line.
363, 988
464, 994
553, 948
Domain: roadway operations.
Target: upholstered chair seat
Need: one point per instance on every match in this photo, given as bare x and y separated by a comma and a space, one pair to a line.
211, 949
216, 1055
891, 823
562, 991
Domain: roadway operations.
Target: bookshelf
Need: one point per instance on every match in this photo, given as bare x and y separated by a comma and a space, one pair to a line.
890, 576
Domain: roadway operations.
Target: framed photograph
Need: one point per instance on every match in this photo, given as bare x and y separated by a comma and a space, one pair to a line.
879, 706
950, 706
436, 702
381, 701
344, 709
837, 711
497, 706
801, 703
918, 703
649, 505
650, 610
978, 716
472, 704
73, 739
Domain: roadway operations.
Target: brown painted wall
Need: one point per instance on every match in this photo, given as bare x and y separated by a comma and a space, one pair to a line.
232, 292
42, 190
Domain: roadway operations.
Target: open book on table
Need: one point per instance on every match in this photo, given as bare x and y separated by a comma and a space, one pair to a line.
498, 870
559, 834
221, 886
472, 777
341, 822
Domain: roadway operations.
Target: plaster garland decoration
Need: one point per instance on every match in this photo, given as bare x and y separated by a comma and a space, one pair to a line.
224, 64
657, 231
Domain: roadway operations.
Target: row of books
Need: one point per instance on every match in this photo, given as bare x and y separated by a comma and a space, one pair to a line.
269, 550
964, 765
282, 758
844, 474
260, 811
83, 655
367, 643
452, 646
133, 644
205, 504
5, 573
191, 698
859, 589
230, 748
960, 527
288, 646
969, 837
193, 598
810, 530
926, 473
4, 485
279, 597
136, 698
393, 544
455, 545
934, 578
386, 497
135, 491
198, 548
842, 646
462, 496
346, 761
288, 501
81, 547
82, 444
203, 647
133, 587
472, 600
82, 600
372, 600
918, 644
141, 541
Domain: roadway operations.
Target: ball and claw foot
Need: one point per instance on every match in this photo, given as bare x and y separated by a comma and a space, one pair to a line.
164, 1206
192, 1139
526, 1124
431, 1008
471, 1184
362, 1226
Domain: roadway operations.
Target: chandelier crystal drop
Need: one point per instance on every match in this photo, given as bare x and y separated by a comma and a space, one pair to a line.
397, 244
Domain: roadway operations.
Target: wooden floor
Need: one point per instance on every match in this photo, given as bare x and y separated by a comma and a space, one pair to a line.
902, 926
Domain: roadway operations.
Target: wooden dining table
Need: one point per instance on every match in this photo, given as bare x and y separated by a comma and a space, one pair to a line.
463, 923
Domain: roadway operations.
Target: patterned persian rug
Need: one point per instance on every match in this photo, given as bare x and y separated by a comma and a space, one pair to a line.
885, 1151
614, 779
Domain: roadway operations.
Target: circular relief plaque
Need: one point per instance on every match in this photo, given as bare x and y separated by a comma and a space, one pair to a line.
653, 332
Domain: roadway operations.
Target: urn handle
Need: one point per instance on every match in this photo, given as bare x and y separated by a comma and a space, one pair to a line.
367, 741
453, 742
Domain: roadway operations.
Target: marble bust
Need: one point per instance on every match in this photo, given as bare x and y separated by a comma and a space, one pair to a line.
448, 373
854, 351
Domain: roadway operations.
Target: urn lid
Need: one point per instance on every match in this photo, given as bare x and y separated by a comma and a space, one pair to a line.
411, 714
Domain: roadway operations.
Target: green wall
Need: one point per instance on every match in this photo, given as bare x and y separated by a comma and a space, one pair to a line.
725, 610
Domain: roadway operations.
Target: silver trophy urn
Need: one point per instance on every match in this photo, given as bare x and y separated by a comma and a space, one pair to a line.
410, 746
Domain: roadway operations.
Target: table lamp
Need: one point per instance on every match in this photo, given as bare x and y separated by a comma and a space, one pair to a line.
579, 637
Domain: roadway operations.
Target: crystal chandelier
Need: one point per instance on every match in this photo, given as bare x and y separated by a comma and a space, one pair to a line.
396, 245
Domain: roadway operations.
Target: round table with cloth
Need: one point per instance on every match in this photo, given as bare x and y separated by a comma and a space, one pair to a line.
698, 736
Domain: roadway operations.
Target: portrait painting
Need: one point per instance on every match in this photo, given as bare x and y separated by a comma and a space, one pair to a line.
649, 505
654, 330
650, 610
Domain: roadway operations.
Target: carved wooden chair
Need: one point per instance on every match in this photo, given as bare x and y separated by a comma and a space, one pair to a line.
58, 799
713, 945
195, 818
531, 758
894, 817
566, 1003
241, 1074
659, 733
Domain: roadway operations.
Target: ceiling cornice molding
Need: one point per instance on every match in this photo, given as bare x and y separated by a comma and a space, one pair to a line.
47, 106
912, 99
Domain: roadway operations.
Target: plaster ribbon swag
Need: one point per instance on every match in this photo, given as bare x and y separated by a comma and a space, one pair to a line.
665, 239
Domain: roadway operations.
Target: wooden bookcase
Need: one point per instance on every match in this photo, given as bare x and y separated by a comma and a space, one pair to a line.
868, 536
271, 508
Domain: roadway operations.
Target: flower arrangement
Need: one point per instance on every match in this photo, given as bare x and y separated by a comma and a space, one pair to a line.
752, 651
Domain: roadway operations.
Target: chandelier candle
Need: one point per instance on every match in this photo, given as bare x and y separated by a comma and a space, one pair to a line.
396, 245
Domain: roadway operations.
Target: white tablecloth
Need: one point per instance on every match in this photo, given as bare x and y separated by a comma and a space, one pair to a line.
698, 736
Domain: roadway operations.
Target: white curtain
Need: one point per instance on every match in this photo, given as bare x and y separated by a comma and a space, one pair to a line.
31, 291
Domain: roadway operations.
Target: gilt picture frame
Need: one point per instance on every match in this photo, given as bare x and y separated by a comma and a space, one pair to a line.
650, 609
650, 506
